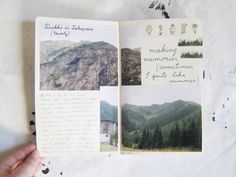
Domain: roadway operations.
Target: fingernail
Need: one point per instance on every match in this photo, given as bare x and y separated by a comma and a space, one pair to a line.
35, 154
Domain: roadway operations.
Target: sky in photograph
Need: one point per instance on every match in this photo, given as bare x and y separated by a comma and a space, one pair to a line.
130, 35
102, 31
159, 94
109, 94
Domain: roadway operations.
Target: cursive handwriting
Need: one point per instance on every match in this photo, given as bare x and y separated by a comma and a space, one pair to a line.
174, 67
72, 27
53, 27
61, 33
160, 59
77, 27
164, 49
178, 74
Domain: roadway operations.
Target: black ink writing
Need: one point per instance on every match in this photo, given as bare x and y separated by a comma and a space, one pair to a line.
162, 75
160, 59
177, 66
183, 81
77, 27
61, 33
178, 74
53, 27
164, 49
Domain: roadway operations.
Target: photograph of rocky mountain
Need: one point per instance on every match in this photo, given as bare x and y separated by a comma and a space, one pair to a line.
131, 66
85, 65
171, 122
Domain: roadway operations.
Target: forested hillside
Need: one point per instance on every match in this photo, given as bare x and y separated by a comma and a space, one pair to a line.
175, 126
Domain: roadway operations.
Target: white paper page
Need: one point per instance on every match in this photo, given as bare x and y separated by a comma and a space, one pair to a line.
171, 51
73, 59
161, 85
68, 122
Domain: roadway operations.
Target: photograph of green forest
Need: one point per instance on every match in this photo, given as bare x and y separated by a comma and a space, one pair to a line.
170, 120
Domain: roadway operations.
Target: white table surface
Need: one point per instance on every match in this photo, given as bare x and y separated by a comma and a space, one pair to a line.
17, 86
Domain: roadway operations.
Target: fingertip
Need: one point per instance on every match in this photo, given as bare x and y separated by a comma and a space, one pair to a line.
29, 148
32, 145
35, 154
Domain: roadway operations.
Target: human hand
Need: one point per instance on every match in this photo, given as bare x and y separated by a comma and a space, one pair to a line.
23, 163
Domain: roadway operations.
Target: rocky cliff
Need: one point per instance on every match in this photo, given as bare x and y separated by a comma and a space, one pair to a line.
131, 66
78, 66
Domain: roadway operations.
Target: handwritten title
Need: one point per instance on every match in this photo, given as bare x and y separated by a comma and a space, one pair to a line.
64, 30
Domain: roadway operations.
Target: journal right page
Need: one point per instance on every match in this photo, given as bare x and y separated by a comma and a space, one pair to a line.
161, 67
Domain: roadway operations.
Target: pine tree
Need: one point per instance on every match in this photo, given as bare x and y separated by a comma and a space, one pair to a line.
147, 143
157, 138
174, 139
142, 140
199, 133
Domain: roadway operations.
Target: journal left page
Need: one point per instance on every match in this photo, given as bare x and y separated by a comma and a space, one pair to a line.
76, 86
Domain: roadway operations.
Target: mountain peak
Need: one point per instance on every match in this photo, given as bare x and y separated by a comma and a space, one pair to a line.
160, 114
79, 66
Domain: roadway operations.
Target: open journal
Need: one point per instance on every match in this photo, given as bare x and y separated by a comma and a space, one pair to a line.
122, 87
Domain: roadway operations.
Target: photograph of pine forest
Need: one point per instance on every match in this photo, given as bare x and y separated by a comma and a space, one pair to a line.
171, 125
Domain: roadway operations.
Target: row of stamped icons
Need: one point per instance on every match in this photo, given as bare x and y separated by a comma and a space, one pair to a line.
172, 29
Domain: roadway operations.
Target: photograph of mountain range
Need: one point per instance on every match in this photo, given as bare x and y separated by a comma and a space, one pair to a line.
108, 127
186, 42
170, 122
84, 65
108, 118
191, 54
131, 66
